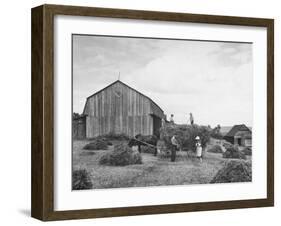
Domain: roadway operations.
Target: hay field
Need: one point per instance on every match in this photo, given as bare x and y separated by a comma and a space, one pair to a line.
153, 172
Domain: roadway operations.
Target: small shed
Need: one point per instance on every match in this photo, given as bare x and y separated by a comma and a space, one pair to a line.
79, 127
239, 135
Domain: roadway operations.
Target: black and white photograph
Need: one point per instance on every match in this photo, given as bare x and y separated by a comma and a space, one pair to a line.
160, 112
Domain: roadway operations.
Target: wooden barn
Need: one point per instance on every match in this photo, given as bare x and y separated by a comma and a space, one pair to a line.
239, 135
120, 109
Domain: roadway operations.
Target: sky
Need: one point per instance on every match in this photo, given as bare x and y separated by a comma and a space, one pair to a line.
213, 80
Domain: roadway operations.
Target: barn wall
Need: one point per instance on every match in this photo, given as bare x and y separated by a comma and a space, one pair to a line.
118, 109
156, 110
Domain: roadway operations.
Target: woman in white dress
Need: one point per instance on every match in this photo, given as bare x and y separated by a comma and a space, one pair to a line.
198, 148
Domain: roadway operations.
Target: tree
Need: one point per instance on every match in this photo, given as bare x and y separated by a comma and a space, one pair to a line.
75, 115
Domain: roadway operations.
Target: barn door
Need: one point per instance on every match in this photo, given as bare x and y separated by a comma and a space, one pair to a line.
156, 125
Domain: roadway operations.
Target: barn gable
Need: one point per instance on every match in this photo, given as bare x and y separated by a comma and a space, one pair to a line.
118, 108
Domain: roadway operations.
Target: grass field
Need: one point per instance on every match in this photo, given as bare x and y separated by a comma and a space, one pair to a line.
153, 172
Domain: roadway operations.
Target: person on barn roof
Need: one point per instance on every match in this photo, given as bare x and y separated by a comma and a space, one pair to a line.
172, 118
191, 119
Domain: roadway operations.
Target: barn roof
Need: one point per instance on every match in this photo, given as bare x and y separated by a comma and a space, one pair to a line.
118, 81
237, 128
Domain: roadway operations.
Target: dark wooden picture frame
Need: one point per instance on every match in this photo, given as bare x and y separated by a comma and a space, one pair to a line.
42, 203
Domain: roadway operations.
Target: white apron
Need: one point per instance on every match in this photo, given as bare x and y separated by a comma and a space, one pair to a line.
199, 151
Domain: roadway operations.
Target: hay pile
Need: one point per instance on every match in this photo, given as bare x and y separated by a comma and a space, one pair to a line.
233, 153
122, 155
96, 144
247, 151
215, 149
185, 135
234, 171
147, 149
101, 142
163, 151
114, 136
227, 144
81, 180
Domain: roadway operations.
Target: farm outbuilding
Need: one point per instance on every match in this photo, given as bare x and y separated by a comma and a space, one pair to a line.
120, 109
239, 135
79, 127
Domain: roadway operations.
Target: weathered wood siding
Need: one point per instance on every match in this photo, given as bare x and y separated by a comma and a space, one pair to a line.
79, 128
119, 109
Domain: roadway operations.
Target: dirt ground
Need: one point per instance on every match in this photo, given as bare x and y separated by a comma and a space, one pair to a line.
154, 171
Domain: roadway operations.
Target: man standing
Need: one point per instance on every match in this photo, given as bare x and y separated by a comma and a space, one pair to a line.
175, 146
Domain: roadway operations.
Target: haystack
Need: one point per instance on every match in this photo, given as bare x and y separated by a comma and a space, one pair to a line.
81, 180
247, 151
96, 144
215, 149
122, 155
185, 135
233, 153
234, 171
